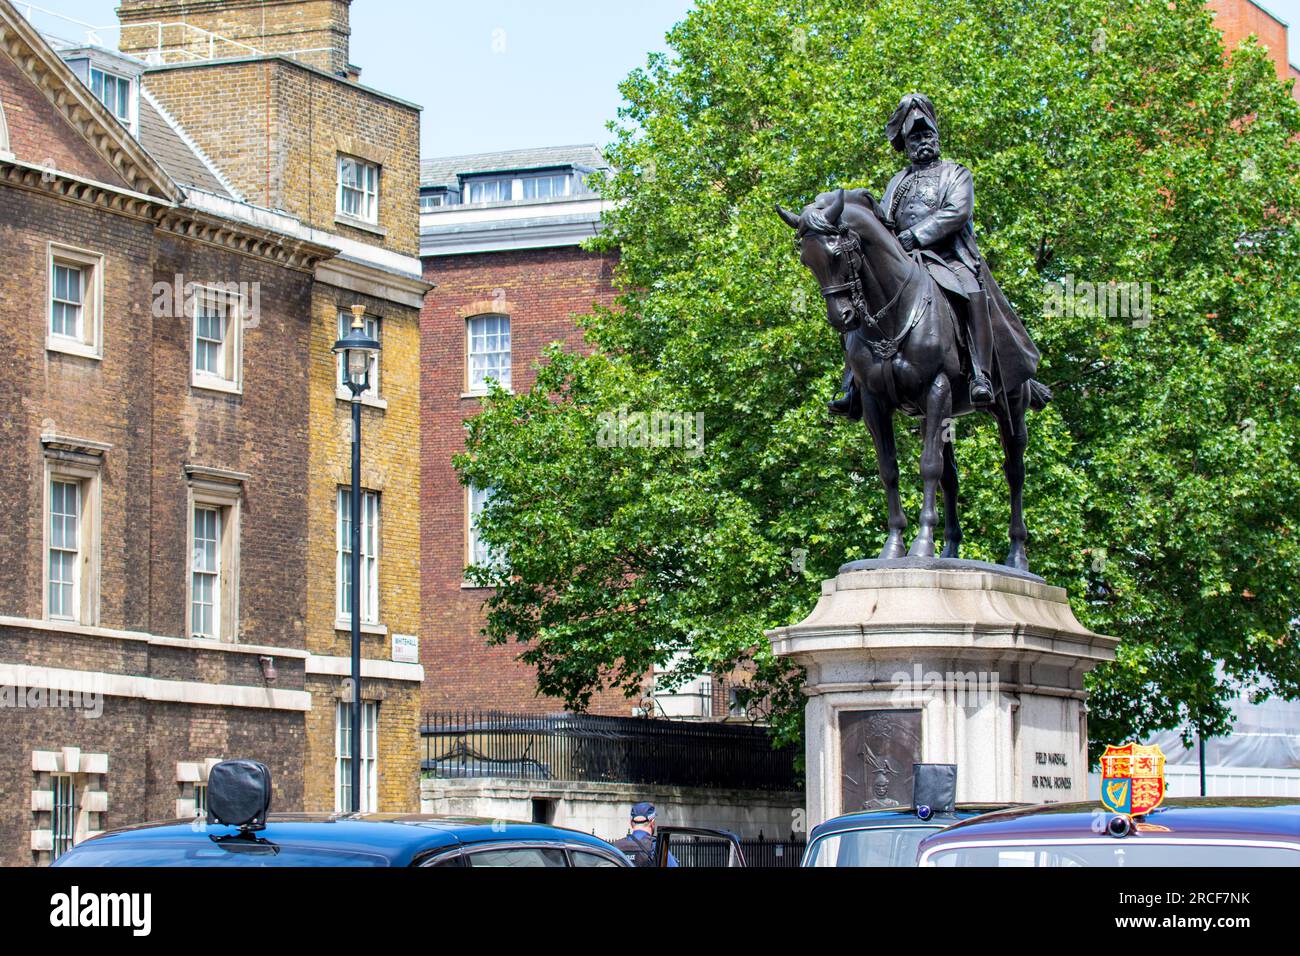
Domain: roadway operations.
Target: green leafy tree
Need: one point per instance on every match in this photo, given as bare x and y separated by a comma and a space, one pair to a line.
1110, 143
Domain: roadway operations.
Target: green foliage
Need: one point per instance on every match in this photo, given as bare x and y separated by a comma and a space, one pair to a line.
1110, 143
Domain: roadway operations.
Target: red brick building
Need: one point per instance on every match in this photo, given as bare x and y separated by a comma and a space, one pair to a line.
168, 408
500, 240
1239, 19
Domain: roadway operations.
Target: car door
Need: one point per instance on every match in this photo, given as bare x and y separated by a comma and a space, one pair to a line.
697, 847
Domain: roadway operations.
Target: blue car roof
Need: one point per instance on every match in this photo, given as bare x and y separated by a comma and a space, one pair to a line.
900, 817
398, 838
1189, 817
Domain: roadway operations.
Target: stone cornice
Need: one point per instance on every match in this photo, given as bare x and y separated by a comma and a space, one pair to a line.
370, 280
125, 202
242, 238
90, 118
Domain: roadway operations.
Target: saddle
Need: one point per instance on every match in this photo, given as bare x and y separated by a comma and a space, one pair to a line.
947, 280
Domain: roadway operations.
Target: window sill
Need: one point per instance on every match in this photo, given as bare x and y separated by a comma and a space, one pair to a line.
343, 395
73, 347
216, 385
471, 586
371, 227
483, 393
379, 630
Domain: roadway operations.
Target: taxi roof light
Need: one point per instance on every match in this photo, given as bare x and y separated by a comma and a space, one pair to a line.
239, 794
934, 788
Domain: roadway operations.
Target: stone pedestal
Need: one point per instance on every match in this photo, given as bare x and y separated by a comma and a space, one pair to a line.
932, 661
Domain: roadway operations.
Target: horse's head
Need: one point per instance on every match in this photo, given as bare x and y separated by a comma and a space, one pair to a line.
832, 251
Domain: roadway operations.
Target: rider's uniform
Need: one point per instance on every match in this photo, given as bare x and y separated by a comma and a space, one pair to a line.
936, 203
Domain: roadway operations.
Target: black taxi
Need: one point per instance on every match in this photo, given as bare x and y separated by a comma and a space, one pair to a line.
1181, 832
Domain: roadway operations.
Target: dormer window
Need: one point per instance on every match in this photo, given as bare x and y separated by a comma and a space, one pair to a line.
489, 190
113, 91
546, 187
521, 186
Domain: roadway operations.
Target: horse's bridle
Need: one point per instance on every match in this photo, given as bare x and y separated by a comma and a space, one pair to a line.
848, 243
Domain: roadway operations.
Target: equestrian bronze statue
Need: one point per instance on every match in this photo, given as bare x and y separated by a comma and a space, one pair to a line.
924, 326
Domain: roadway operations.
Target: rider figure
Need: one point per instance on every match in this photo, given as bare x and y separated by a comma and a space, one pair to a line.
929, 207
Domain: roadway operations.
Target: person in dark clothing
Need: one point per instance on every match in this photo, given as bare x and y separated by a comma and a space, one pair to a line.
639, 844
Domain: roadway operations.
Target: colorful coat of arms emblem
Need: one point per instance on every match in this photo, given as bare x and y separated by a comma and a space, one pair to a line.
1132, 778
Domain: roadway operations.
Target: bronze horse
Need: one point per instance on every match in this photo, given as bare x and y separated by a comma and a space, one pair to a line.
903, 345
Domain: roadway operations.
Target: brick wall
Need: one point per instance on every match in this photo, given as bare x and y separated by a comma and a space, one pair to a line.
261, 433
390, 466
1239, 19
107, 400
542, 290
137, 398
40, 135
276, 129
315, 31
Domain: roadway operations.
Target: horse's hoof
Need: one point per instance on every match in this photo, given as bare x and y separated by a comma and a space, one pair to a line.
922, 548
893, 549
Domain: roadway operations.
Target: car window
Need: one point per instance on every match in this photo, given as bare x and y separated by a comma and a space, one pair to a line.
879, 846
1112, 852
534, 856
581, 858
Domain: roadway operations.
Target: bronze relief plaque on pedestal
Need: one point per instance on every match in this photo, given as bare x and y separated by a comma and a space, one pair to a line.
877, 751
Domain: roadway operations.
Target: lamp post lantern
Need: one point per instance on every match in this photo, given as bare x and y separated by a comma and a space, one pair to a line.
358, 350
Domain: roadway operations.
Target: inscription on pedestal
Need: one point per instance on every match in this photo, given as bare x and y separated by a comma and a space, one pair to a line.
877, 751
1051, 772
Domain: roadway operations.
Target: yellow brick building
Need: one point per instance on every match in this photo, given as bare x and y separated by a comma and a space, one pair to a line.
266, 91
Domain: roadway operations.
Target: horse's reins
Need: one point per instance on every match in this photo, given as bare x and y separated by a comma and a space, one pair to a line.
884, 348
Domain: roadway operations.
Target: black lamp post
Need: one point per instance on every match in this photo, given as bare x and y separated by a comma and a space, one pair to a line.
357, 349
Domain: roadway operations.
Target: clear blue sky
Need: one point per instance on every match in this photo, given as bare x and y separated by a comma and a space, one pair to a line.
490, 74
500, 74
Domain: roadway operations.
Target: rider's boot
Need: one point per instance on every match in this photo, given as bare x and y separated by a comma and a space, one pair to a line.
980, 327
849, 402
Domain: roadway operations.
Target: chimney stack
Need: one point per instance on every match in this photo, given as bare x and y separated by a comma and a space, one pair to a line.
313, 32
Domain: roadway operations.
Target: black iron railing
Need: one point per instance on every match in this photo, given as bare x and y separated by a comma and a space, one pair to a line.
759, 854
569, 747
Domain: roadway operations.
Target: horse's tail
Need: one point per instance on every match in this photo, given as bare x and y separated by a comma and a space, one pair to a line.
1039, 395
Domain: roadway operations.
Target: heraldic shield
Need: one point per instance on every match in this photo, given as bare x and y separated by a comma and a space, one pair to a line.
1132, 778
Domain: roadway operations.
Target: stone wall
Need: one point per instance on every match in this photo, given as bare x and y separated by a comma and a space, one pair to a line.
604, 808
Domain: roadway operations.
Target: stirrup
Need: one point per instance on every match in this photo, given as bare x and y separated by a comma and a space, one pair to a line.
846, 405
981, 390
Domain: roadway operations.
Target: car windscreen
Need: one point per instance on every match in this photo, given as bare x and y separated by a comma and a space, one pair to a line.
114, 853
878, 846
1113, 852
